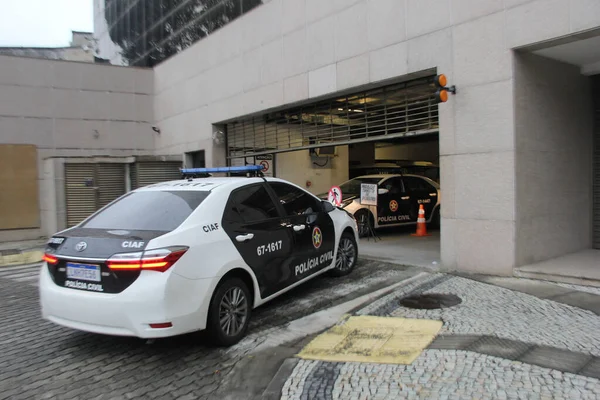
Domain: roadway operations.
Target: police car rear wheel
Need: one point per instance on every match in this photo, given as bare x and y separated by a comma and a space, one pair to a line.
346, 257
229, 312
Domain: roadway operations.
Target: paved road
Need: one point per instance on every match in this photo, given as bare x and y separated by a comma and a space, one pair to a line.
26, 273
40, 360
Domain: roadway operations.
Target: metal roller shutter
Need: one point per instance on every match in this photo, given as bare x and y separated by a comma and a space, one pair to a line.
148, 173
80, 199
110, 182
596, 222
401, 110
133, 176
90, 186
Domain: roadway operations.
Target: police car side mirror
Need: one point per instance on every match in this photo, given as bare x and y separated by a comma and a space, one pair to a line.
382, 191
327, 206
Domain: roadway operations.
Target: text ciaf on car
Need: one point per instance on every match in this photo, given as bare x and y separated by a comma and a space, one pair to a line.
194, 254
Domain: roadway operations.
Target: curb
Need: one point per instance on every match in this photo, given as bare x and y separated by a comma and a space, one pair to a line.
273, 390
429, 268
11, 258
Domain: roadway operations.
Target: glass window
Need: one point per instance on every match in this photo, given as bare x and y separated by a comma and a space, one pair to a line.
352, 187
394, 185
416, 184
148, 211
253, 203
231, 213
295, 201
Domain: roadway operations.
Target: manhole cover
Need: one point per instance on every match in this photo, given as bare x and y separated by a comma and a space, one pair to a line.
430, 301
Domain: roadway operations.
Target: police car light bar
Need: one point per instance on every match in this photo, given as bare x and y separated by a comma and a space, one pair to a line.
204, 171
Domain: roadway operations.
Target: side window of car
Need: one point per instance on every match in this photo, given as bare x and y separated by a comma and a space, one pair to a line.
394, 185
231, 213
293, 200
250, 204
416, 184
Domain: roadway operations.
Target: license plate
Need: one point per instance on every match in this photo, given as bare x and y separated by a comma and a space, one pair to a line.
83, 272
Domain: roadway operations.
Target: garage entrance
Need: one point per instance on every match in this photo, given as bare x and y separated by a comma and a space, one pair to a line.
386, 130
396, 111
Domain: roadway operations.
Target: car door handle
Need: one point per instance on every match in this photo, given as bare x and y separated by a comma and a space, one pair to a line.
244, 238
405, 197
298, 228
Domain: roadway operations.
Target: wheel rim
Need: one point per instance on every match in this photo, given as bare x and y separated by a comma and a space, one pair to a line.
346, 255
233, 311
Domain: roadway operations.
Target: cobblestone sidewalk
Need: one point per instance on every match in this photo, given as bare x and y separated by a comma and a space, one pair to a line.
458, 374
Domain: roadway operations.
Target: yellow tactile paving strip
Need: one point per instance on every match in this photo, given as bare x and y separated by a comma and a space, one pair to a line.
27, 257
382, 340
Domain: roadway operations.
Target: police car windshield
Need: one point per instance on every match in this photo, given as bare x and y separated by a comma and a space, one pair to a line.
353, 186
148, 211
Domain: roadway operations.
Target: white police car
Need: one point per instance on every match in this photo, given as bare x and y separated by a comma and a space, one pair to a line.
195, 254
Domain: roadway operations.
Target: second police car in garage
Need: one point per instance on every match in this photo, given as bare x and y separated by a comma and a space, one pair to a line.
398, 200
195, 254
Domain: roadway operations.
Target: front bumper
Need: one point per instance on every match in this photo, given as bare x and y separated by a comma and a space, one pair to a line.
153, 298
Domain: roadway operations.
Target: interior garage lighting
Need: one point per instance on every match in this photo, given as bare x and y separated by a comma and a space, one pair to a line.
353, 110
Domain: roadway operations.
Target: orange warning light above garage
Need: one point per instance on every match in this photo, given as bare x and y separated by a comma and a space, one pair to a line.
441, 96
441, 82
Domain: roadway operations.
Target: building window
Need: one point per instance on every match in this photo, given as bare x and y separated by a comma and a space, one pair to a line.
150, 31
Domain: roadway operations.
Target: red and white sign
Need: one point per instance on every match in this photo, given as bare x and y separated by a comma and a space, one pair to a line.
335, 196
267, 162
265, 165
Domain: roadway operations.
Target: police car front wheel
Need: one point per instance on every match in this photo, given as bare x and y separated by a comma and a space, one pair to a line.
346, 257
229, 312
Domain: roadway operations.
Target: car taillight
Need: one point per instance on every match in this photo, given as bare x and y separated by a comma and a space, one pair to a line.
153, 260
50, 259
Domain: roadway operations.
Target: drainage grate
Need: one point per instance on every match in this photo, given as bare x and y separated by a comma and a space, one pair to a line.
430, 301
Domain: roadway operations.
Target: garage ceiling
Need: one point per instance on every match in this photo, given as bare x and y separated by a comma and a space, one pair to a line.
584, 53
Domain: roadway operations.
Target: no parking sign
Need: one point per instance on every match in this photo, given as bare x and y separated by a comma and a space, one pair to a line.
335, 196
267, 162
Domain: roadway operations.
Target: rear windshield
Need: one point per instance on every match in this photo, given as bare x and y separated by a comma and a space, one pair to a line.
148, 211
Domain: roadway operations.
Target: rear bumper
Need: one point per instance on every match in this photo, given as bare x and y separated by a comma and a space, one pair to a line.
153, 298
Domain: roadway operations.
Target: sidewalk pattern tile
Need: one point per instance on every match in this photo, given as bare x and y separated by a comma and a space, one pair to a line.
495, 311
439, 374
496, 344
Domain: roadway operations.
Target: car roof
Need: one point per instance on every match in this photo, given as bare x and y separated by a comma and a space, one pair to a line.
207, 184
199, 184
382, 176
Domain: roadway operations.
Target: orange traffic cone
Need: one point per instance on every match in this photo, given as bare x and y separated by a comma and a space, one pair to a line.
421, 224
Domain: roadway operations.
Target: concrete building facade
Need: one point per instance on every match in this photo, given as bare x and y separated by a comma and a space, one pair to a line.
519, 170
81, 48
